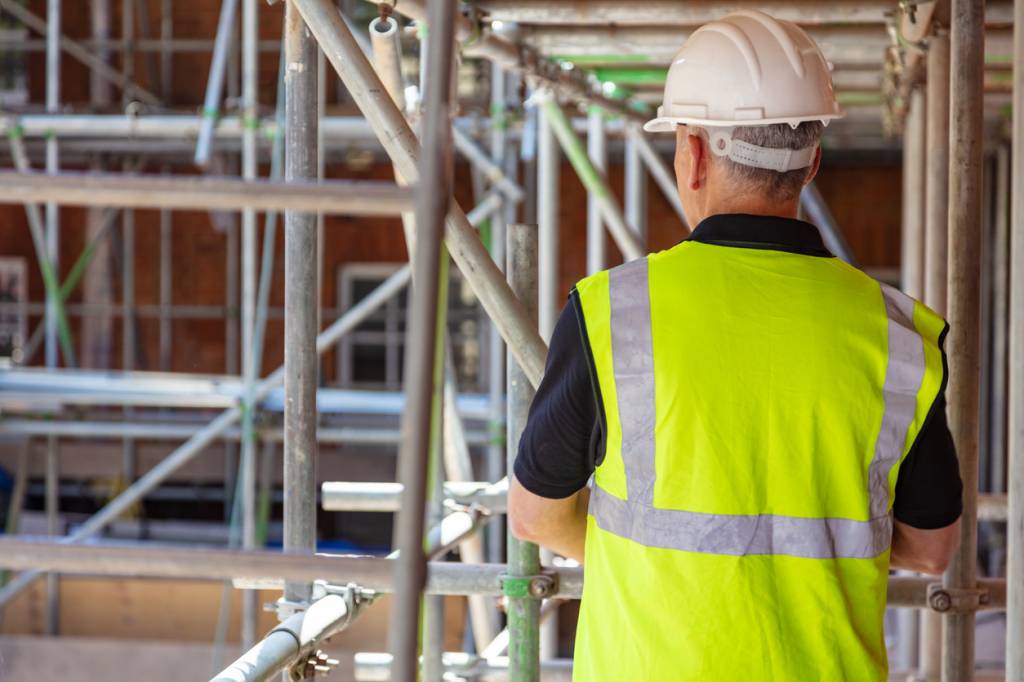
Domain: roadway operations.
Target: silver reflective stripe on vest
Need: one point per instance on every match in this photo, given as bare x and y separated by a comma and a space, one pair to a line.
637, 519
903, 376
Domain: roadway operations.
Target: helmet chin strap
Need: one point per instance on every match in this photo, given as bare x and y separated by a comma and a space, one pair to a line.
779, 160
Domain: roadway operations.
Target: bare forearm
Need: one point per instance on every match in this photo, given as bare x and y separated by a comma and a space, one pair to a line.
925, 551
559, 525
568, 535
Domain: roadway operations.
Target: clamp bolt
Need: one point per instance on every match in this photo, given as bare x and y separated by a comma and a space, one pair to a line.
940, 600
542, 586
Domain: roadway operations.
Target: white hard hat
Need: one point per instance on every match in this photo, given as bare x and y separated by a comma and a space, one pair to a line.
747, 69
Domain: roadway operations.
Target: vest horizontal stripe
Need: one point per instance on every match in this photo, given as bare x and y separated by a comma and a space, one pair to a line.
740, 535
733, 534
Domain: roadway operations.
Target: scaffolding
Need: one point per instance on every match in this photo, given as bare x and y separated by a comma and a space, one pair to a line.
938, 90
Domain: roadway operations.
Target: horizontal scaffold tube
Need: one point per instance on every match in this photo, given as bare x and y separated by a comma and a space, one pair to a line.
146, 560
373, 573
205, 193
376, 667
384, 496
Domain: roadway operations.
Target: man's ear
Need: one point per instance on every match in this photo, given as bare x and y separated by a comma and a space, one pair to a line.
698, 161
814, 166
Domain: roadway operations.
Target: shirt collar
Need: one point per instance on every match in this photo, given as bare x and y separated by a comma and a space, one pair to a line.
760, 232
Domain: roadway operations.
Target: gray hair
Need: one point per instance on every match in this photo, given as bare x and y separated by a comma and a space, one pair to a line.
785, 186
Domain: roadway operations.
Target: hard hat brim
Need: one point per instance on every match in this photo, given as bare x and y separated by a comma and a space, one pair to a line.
667, 124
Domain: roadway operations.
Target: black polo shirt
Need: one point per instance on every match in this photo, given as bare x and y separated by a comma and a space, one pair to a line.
564, 435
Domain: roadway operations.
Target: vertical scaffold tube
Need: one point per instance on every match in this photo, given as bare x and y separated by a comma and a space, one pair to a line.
250, 100
635, 183
548, 171
300, 325
1015, 417
914, 153
963, 344
523, 557
597, 240
937, 176
495, 468
433, 195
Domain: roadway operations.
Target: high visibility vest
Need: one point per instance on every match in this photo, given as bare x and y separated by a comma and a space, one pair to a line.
758, 405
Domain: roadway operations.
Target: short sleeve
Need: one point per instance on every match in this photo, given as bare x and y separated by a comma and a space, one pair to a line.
928, 486
555, 457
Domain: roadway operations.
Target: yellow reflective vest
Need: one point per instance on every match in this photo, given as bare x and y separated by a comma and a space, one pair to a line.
758, 404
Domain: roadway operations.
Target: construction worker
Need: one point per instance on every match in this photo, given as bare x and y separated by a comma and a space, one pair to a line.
764, 424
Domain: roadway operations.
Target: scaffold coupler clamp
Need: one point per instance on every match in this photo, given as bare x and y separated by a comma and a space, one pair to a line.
540, 586
945, 599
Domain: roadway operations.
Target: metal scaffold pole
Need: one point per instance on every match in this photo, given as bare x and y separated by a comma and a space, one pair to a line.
597, 240
1015, 416
914, 153
300, 353
548, 171
963, 344
215, 83
635, 183
937, 176
53, 84
250, 370
523, 557
495, 467
433, 195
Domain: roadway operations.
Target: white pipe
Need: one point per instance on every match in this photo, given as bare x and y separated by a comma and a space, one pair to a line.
285, 645
597, 240
215, 83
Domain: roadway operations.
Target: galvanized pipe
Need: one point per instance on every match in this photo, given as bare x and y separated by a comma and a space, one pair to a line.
1015, 331
394, 133
374, 667
966, 144
594, 181
200, 192
548, 191
597, 152
495, 457
301, 300
914, 153
386, 497
1000, 310
635, 184
53, 75
52, 503
918, 162
387, 60
295, 638
432, 199
937, 139
523, 557
250, 159
215, 81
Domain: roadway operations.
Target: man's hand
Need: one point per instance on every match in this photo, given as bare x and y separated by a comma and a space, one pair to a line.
925, 551
559, 525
